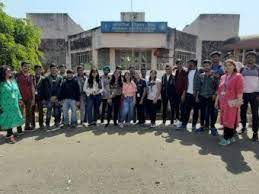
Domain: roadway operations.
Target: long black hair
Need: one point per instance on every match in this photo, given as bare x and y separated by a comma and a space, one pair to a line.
3, 70
114, 79
124, 77
150, 76
91, 78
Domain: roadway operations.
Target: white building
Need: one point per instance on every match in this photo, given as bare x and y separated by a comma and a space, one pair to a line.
131, 43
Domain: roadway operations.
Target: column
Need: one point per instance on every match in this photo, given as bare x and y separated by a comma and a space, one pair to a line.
153, 59
95, 57
112, 58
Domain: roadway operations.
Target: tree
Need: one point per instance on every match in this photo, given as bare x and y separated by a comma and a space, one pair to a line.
19, 40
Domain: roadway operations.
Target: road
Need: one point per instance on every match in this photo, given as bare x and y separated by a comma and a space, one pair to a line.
127, 161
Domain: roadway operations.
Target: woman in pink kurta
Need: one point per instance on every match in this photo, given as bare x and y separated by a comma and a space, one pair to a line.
229, 100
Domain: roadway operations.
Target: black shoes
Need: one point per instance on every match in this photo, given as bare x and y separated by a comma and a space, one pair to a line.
255, 137
243, 130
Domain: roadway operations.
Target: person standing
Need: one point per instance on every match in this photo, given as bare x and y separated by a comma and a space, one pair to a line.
190, 96
230, 55
206, 91
180, 85
153, 96
25, 82
129, 90
93, 90
116, 92
62, 71
229, 100
38, 78
140, 98
217, 71
70, 97
251, 93
50, 89
168, 93
143, 72
106, 91
81, 80
10, 101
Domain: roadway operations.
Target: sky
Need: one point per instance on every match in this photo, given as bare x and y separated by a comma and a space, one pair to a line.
178, 13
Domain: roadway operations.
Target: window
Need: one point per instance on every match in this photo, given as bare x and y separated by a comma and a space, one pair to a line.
136, 58
81, 58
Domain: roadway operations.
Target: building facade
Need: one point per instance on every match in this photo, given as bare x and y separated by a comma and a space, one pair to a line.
132, 41
138, 43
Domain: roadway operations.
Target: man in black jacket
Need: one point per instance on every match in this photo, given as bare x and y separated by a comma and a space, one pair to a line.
70, 97
49, 92
168, 93
38, 78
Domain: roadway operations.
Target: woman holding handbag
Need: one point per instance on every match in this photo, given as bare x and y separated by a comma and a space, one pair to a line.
229, 100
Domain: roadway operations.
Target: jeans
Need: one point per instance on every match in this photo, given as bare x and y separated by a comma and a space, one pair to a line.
207, 115
127, 109
250, 98
82, 108
93, 105
69, 104
57, 112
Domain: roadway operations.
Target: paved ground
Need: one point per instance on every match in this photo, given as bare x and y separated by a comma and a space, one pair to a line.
127, 161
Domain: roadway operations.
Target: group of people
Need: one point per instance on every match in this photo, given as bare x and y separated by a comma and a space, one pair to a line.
134, 96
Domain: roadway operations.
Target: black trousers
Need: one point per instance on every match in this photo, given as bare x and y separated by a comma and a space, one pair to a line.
207, 115
115, 107
104, 106
228, 133
140, 111
165, 103
190, 104
10, 131
39, 106
178, 107
250, 98
152, 110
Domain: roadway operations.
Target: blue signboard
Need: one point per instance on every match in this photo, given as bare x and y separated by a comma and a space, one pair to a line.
136, 27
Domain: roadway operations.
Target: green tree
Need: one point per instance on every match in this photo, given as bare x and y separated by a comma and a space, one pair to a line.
19, 40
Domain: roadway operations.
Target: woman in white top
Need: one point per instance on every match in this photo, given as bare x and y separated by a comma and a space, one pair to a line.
153, 96
93, 90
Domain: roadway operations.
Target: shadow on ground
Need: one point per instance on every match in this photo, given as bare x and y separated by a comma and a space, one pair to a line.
207, 144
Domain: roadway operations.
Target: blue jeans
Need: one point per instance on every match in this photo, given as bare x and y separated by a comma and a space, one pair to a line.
57, 112
69, 104
127, 109
93, 105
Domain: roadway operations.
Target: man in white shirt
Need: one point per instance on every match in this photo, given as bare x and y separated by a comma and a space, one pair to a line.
190, 98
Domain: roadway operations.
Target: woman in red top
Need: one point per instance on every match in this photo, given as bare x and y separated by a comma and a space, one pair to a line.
229, 100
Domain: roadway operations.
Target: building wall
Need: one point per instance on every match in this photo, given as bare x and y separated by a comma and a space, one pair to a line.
55, 25
131, 40
55, 29
54, 51
213, 27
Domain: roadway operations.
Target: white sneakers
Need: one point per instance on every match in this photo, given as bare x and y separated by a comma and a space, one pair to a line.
178, 124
